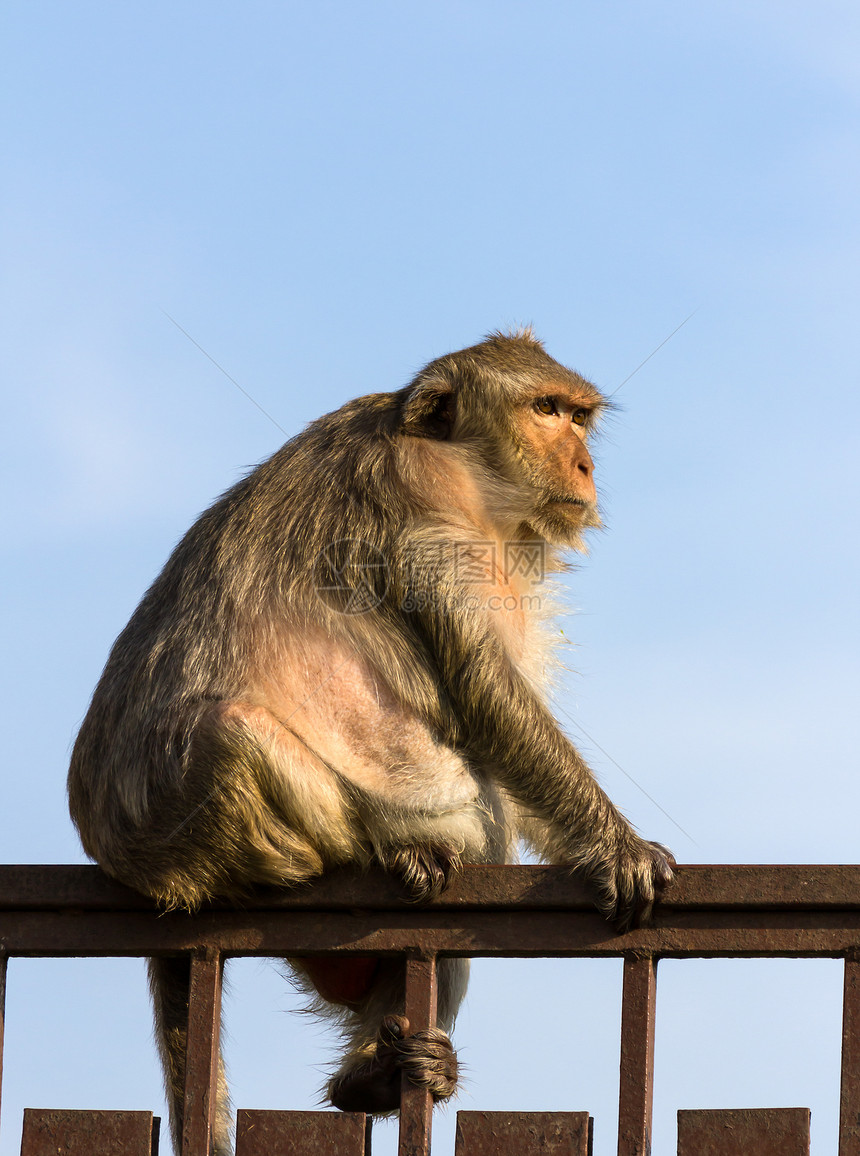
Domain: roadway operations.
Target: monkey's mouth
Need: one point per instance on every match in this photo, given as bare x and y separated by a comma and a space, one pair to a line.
565, 500
575, 512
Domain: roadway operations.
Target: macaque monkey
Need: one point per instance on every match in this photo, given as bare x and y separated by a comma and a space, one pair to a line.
344, 661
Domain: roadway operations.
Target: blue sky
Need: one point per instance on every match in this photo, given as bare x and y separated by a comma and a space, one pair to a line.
325, 196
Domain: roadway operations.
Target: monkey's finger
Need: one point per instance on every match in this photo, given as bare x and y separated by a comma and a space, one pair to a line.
391, 1030
665, 852
635, 916
635, 899
657, 877
643, 910
664, 866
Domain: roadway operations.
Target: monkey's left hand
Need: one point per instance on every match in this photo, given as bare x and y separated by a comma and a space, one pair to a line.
629, 882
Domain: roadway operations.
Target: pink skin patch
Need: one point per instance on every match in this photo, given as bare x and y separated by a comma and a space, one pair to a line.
345, 981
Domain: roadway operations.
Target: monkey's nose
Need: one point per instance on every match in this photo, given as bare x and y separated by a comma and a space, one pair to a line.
582, 461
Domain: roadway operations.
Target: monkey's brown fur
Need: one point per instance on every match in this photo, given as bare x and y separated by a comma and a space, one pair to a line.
341, 664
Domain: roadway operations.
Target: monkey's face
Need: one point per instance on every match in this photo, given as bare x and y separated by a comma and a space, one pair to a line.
552, 441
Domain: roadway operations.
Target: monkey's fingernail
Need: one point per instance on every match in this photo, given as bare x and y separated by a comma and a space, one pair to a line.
396, 1026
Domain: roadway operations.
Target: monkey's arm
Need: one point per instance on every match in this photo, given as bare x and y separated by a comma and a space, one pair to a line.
502, 724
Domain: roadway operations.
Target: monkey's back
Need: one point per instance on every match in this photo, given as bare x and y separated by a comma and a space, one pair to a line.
227, 595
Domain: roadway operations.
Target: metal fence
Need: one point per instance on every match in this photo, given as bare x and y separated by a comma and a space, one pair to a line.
711, 911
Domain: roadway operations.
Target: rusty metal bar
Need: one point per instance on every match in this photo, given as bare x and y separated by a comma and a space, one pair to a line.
712, 911
264, 1133
636, 1093
523, 933
48, 1132
699, 887
3, 967
202, 1052
849, 1100
416, 1104
744, 1131
523, 1133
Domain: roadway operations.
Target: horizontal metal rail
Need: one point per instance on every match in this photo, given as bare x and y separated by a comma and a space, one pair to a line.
710, 911
700, 887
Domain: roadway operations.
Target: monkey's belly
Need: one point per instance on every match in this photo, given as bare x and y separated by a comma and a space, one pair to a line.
403, 785
348, 716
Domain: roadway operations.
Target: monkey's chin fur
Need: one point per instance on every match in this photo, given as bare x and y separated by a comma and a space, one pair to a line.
563, 522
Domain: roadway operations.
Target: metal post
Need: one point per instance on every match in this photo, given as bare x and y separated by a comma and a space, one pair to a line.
849, 1103
202, 1052
3, 961
637, 1056
416, 1104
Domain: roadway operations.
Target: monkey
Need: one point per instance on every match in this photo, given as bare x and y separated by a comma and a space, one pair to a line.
346, 661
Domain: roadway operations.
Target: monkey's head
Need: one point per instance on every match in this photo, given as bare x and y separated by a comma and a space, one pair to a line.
527, 418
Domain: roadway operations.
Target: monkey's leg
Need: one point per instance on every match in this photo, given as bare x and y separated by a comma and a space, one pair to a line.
253, 806
380, 1047
170, 980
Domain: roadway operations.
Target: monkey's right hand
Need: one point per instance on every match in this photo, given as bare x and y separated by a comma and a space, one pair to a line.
629, 881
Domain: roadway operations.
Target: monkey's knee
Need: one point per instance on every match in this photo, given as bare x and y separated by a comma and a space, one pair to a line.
255, 807
373, 1083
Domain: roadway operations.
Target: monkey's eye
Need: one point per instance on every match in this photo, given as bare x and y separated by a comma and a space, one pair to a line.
546, 405
579, 416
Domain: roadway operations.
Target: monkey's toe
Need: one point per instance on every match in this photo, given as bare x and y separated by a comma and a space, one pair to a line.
429, 1061
426, 871
426, 1058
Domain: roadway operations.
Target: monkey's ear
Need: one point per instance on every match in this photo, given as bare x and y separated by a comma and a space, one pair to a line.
429, 412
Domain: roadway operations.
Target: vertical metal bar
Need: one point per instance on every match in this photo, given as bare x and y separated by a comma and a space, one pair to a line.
202, 1052
416, 1104
637, 1056
4, 959
849, 1102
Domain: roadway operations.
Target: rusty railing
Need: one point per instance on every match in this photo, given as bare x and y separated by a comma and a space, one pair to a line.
711, 911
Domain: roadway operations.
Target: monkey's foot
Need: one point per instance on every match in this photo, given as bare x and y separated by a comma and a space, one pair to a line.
426, 871
426, 1058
